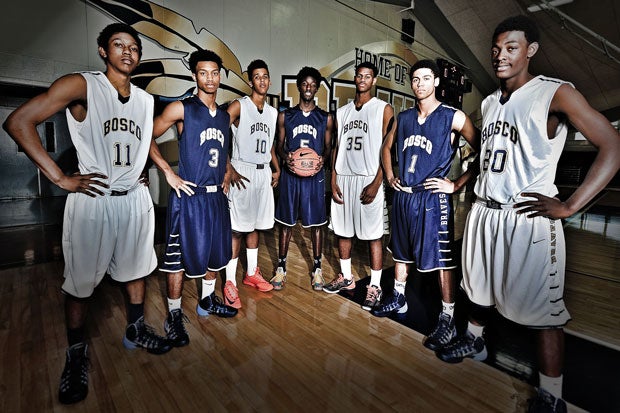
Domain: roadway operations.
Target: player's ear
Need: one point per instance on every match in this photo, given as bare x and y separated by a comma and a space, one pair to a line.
193, 76
436, 81
532, 48
102, 53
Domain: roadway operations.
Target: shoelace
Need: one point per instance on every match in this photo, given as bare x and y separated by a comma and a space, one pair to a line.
178, 324
148, 337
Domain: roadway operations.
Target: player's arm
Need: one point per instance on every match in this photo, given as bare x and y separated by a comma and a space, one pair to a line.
172, 114
462, 125
386, 160
336, 192
21, 125
234, 111
370, 191
597, 129
275, 164
327, 142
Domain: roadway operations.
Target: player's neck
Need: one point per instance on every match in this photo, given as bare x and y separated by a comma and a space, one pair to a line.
427, 106
307, 106
361, 99
509, 86
120, 81
208, 99
258, 100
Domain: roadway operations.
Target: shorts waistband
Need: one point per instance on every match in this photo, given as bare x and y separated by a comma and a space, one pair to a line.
412, 189
115, 192
490, 203
251, 164
211, 188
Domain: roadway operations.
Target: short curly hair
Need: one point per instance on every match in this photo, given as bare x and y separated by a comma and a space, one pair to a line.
104, 37
519, 23
308, 71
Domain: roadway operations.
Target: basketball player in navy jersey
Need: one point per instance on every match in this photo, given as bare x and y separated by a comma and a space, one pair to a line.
109, 220
198, 222
303, 198
357, 181
252, 205
513, 244
422, 219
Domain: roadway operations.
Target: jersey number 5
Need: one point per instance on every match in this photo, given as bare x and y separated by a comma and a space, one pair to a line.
354, 143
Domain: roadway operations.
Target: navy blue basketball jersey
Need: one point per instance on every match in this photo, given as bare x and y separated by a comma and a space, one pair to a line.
305, 130
203, 144
424, 150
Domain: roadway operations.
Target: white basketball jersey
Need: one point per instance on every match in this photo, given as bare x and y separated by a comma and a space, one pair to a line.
115, 137
516, 154
253, 138
360, 136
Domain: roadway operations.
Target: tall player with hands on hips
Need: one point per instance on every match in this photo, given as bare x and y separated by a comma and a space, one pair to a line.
109, 221
513, 245
303, 126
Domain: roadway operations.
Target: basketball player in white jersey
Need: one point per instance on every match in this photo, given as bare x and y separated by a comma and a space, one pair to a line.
109, 219
513, 245
357, 180
252, 207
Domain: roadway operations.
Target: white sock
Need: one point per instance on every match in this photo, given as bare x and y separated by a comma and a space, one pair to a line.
400, 286
208, 287
231, 271
551, 384
474, 329
174, 304
447, 308
252, 260
375, 277
345, 268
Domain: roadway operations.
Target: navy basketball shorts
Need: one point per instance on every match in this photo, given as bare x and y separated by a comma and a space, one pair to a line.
301, 198
422, 230
199, 235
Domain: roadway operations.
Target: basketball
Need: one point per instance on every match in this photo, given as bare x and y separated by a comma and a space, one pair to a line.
304, 162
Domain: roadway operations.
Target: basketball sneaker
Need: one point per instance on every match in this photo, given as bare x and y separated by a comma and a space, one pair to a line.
74, 378
140, 334
338, 284
212, 304
317, 280
174, 326
442, 334
461, 347
395, 304
231, 295
278, 280
257, 281
373, 297
545, 402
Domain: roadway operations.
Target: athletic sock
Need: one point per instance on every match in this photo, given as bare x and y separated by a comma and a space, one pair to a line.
208, 287
75, 335
317, 263
252, 254
174, 304
282, 263
447, 308
375, 277
551, 384
399, 286
474, 329
231, 271
345, 268
135, 311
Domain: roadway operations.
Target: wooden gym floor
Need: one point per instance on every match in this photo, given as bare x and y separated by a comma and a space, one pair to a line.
295, 350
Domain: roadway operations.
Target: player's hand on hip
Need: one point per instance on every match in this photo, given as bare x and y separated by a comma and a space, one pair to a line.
542, 206
233, 177
144, 179
395, 184
179, 184
84, 184
439, 185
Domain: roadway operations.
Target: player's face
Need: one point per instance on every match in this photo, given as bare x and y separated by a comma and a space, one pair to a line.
122, 52
308, 88
510, 54
207, 77
423, 83
364, 81
260, 81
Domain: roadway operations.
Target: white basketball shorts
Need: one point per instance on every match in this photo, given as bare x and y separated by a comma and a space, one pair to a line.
107, 234
253, 207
